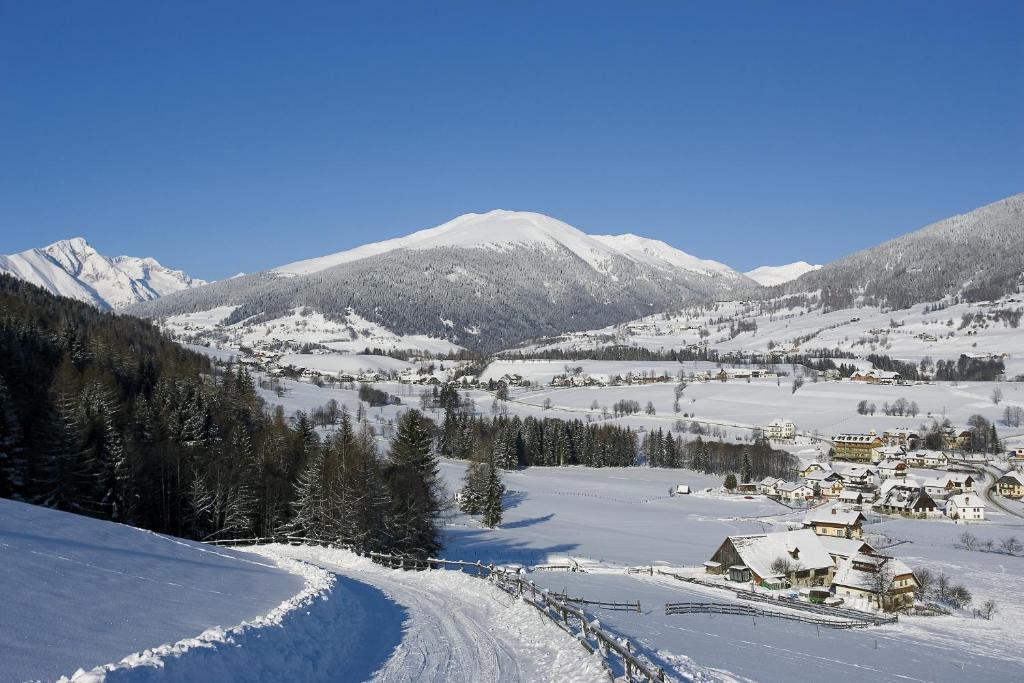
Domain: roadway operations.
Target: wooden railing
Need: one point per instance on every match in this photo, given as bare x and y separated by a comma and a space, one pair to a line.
749, 611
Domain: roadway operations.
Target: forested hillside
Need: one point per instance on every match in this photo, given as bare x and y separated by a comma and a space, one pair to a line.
100, 415
977, 256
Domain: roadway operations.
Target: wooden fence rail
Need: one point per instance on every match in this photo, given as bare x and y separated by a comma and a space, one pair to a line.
566, 616
749, 611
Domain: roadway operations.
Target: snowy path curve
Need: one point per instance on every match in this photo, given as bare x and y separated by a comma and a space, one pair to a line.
460, 628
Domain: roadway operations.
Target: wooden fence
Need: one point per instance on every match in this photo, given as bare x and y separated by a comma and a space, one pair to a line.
570, 618
750, 611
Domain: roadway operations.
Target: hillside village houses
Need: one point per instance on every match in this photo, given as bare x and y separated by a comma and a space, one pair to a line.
908, 499
875, 376
848, 566
949, 484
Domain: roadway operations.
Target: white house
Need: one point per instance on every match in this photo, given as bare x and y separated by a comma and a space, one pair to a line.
795, 491
781, 429
965, 506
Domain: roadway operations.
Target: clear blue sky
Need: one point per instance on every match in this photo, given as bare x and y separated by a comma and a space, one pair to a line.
222, 136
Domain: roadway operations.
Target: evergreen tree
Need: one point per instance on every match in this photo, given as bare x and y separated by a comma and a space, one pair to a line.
415, 491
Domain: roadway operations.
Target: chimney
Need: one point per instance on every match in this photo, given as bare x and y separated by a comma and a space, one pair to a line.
833, 511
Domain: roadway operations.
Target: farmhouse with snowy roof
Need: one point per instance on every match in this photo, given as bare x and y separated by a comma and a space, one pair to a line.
926, 459
875, 376
908, 499
878, 580
836, 522
808, 561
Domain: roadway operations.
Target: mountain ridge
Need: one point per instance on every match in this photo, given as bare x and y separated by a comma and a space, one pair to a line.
73, 268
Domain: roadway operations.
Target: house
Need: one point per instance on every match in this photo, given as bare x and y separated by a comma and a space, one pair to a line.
840, 548
812, 466
829, 483
902, 437
878, 580
965, 506
927, 459
769, 486
780, 429
856, 447
1011, 485
909, 500
858, 475
892, 469
836, 522
798, 556
795, 491
853, 497
890, 453
1016, 458
948, 485
681, 489
875, 376
956, 437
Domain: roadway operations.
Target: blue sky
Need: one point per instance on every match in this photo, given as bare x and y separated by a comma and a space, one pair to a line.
224, 137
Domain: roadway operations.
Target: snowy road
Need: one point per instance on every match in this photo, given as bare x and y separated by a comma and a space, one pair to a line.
456, 627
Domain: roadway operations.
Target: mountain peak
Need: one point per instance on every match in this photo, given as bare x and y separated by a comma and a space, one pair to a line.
769, 276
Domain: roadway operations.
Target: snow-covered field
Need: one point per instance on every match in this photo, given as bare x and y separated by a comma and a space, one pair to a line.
858, 330
613, 518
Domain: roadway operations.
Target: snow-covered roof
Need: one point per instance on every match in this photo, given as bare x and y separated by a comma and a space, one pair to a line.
854, 438
804, 547
966, 500
844, 547
833, 515
1014, 475
849, 575
790, 486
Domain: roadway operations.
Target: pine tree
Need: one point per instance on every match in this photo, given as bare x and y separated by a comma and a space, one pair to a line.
494, 492
746, 471
415, 491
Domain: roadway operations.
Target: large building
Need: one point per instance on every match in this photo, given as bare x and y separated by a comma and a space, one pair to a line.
780, 430
856, 447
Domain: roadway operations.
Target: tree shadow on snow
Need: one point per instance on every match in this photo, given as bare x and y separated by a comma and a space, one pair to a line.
512, 499
487, 546
529, 521
371, 646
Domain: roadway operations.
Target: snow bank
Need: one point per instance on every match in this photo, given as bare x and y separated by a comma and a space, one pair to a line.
79, 592
288, 642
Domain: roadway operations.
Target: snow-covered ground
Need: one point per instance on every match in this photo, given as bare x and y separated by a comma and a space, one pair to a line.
609, 519
79, 593
918, 333
352, 335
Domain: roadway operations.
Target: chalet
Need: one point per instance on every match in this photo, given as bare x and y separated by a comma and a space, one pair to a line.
902, 436
1011, 485
875, 376
858, 475
876, 579
829, 483
965, 506
769, 486
956, 437
856, 447
809, 563
892, 469
890, 453
948, 485
795, 491
813, 466
853, 497
780, 429
906, 499
836, 522
927, 459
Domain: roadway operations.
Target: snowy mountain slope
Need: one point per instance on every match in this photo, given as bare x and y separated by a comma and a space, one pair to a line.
978, 255
769, 276
82, 592
481, 281
73, 268
502, 229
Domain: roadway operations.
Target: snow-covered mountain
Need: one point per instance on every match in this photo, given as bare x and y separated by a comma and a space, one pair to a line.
976, 256
501, 229
769, 276
485, 281
73, 268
